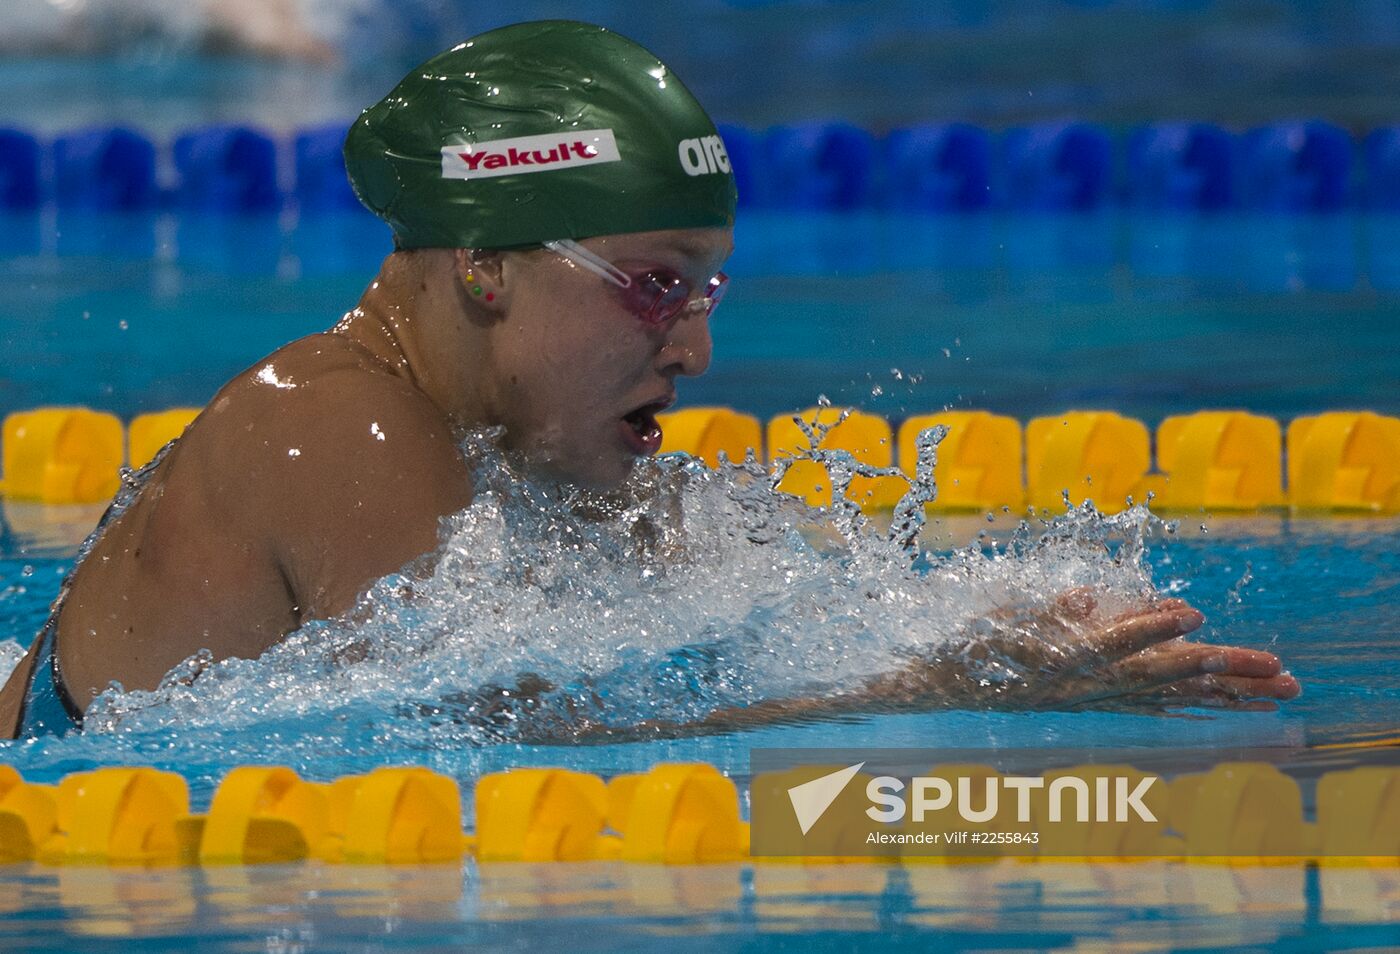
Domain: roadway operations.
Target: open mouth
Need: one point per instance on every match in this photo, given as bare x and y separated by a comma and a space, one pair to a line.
640, 428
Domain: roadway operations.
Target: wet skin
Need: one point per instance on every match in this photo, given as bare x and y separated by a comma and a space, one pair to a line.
331, 462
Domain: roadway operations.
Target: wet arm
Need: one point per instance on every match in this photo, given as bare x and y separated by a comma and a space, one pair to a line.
1131, 659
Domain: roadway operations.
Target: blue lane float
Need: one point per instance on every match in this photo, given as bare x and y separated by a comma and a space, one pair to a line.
19, 170
1297, 167
1057, 167
1303, 166
1181, 166
321, 185
942, 167
819, 166
227, 169
1382, 151
741, 145
110, 169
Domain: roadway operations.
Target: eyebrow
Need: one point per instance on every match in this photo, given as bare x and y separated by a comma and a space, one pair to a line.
689, 251
695, 252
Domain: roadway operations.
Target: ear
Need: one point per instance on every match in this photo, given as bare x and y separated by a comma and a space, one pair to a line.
481, 274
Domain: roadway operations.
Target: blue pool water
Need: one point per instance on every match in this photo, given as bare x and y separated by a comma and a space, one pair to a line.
1143, 315
1021, 315
600, 907
1321, 595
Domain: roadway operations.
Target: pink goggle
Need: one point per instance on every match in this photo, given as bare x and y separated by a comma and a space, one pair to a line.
656, 296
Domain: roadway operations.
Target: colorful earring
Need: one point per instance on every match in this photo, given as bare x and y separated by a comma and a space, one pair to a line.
477, 289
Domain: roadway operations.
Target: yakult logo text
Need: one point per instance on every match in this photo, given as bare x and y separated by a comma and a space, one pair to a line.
524, 154
703, 156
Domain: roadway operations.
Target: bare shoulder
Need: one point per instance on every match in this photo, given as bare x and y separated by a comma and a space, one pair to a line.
318, 417
342, 467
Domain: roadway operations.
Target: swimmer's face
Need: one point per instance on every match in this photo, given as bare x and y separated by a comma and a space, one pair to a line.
577, 375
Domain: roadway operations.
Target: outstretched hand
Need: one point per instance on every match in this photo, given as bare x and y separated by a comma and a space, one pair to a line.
1061, 658
1057, 658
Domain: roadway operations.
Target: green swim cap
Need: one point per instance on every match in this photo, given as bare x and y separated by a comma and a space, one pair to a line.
539, 131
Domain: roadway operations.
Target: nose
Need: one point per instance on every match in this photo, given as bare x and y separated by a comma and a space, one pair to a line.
688, 346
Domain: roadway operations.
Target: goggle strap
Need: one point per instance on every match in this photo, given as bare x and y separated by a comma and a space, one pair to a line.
582, 257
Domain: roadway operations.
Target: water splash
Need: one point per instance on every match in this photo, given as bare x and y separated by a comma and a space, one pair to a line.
548, 608
1235, 595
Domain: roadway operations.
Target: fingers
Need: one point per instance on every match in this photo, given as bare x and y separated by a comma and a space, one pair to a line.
1079, 603
1235, 692
1071, 606
1251, 663
1170, 602
1153, 668
1210, 670
1224, 660
1282, 687
1076, 604
1154, 607
1136, 633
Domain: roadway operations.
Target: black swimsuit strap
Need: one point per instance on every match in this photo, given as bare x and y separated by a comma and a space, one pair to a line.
59, 685
48, 707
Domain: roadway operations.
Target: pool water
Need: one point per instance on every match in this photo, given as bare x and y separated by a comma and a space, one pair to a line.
1318, 593
1145, 316
1020, 315
608, 907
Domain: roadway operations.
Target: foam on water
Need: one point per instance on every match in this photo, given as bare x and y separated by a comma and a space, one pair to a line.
550, 612
11, 652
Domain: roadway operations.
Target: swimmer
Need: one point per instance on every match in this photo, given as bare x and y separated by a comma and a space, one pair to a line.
562, 210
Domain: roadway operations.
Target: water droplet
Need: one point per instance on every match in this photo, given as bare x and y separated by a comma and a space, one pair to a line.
1235, 595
